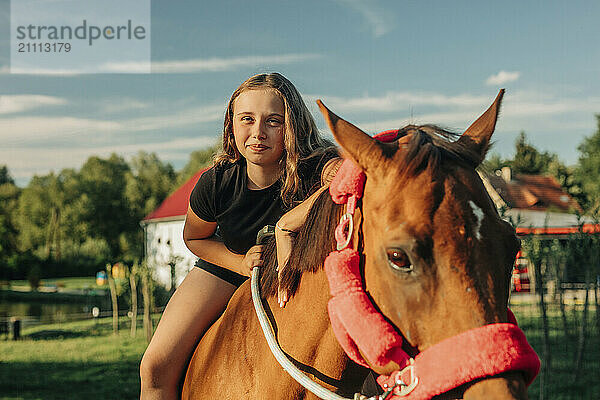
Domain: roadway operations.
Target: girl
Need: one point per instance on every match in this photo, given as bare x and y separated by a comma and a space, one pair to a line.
273, 158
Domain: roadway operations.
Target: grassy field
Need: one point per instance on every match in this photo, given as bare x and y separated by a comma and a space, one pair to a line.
83, 360
560, 384
77, 360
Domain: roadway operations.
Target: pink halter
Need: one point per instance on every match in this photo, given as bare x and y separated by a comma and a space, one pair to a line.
485, 351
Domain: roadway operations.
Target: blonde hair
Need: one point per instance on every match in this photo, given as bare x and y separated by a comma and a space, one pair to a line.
301, 137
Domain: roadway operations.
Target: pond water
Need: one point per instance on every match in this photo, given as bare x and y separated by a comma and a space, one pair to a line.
44, 312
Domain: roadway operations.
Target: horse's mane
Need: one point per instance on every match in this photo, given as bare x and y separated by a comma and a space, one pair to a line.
312, 244
428, 148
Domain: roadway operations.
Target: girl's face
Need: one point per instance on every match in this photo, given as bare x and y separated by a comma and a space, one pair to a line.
258, 126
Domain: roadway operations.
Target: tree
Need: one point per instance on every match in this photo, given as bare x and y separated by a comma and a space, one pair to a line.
588, 167
9, 197
198, 160
148, 182
106, 209
528, 159
5, 176
494, 163
50, 215
34, 214
566, 177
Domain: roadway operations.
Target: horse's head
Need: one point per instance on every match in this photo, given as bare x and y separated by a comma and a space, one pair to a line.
433, 242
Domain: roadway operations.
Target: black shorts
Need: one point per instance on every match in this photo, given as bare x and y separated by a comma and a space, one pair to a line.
228, 276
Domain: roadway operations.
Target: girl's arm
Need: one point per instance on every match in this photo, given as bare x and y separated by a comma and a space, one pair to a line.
198, 237
293, 220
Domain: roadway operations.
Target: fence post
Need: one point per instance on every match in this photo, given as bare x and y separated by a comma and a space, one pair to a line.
148, 300
113, 296
15, 327
133, 287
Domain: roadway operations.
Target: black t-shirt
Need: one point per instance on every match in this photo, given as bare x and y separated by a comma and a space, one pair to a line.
221, 195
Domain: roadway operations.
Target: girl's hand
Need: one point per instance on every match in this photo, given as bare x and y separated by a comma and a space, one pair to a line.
253, 258
283, 240
282, 295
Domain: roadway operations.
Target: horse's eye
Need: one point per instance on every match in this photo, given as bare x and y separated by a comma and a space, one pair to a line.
398, 260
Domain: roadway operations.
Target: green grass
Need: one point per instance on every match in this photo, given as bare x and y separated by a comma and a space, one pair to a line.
83, 360
77, 360
559, 383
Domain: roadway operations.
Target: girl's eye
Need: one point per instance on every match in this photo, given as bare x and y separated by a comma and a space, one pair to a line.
398, 260
274, 121
246, 118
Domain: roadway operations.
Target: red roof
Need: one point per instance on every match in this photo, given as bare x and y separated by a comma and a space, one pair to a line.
533, 192
176, 204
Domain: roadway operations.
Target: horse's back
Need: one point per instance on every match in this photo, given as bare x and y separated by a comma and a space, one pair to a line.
233, 360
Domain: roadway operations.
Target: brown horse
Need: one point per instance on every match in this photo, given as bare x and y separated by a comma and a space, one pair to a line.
422, 200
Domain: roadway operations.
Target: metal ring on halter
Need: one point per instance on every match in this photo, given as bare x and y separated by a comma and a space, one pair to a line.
403, 388
346, 220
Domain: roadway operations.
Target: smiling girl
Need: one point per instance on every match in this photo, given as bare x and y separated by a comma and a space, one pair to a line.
273, 159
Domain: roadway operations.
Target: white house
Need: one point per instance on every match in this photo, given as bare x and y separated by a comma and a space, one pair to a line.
163, 234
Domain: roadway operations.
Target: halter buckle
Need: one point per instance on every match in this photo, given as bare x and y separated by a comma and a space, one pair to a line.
402, 388
345, 221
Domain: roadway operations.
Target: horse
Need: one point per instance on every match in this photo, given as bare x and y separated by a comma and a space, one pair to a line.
436, 260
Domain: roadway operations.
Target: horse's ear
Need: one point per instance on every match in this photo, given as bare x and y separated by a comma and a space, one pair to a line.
357, 144
477, 137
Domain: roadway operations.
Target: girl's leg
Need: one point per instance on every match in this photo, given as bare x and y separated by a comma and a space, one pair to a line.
195, 305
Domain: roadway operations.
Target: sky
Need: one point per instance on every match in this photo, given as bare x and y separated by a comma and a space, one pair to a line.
380, 64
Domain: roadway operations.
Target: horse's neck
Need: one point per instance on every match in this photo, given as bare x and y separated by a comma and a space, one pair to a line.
305, 313
304, 333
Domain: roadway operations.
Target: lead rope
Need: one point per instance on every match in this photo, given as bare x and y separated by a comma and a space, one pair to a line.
280, 356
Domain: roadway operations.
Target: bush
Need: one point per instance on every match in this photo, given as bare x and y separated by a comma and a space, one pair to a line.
34, 276
66, 267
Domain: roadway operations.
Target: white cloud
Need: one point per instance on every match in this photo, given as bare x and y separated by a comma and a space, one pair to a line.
380, 21
19, 129
43, 71
518, 103
25, 129
24, 162
214, 64
533, 111
397, 101
533, 103
122, 105
191, 116
538, 112
10, 104
502, 77
450, 120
